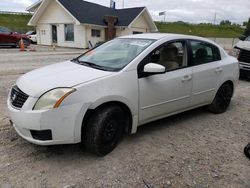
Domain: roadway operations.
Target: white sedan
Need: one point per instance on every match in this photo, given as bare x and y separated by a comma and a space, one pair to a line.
120, 85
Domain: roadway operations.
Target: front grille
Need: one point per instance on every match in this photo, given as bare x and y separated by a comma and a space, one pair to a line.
17, 97
244, 56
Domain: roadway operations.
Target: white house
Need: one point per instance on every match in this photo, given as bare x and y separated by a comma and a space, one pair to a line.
73, 23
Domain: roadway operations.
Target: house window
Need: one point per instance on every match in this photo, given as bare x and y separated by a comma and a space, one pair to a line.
69, 32
95, 33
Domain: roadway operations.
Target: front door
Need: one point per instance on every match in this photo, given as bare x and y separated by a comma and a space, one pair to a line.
164, 94
54, 34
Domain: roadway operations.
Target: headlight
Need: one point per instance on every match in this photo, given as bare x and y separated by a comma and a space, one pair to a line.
53, 98
236, 52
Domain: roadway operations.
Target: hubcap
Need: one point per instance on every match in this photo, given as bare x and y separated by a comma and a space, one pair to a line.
109, 131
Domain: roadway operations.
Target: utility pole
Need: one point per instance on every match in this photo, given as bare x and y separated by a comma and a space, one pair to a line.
123, 6
215, 15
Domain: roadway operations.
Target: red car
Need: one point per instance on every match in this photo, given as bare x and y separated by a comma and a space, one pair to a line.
9, 38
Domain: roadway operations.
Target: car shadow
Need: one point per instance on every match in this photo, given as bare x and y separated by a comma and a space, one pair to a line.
167, 122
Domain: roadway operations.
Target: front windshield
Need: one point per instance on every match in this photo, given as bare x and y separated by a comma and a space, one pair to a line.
116, 54
29, 33
4, 30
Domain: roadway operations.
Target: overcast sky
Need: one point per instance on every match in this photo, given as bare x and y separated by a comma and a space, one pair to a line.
194, 11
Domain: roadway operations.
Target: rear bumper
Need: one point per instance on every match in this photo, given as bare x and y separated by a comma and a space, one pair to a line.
62, 124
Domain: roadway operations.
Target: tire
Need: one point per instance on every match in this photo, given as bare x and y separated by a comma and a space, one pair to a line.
222, 99
104, 130
247, 151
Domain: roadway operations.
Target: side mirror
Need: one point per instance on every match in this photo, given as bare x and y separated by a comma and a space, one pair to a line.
153, 68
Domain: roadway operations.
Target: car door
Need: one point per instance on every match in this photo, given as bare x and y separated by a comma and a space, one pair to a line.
207, 71
6, 36
163, 94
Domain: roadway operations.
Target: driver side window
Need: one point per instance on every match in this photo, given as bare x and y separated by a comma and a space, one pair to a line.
170, 55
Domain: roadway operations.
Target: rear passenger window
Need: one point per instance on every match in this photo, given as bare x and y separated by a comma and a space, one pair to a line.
204, 52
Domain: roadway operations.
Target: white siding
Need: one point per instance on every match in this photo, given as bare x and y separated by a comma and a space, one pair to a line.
56, 15
139, 25
44, 34
94, 40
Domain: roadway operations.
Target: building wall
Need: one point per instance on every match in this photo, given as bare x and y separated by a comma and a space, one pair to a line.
139, 25
56, 15
94, 40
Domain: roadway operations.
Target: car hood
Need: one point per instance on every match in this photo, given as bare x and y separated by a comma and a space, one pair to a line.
66, 74
245, 45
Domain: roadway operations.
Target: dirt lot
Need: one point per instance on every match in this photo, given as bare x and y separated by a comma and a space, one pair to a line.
193, 149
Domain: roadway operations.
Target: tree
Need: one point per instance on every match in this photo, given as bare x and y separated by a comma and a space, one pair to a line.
225, 22
247, 30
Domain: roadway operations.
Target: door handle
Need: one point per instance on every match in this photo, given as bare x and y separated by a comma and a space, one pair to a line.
187, 78
218, 70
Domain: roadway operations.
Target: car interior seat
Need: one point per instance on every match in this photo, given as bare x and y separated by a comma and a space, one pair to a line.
200, 56
169, 57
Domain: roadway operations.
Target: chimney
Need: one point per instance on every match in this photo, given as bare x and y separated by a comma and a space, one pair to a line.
110, 31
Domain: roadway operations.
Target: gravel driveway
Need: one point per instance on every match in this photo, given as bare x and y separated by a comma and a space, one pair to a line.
193, 149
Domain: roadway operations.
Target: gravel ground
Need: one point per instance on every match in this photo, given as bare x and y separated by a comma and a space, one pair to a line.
193, 149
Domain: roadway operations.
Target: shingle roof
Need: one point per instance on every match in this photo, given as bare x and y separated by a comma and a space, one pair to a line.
91, 13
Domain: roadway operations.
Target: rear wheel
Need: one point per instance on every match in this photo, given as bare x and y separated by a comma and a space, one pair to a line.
104, 130
222, 99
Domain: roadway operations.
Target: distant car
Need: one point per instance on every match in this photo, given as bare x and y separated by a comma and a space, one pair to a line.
120, 85
9, 38
243, 52
32, 36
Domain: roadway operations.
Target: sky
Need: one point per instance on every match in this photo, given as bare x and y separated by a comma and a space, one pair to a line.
193, 11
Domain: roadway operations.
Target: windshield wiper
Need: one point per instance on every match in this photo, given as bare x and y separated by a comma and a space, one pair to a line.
93, 65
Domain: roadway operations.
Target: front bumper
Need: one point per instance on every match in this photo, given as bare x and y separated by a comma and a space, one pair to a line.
244, 68
64, 123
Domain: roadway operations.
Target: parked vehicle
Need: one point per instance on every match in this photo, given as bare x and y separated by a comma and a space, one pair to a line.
120, 85
243, 48
32, 36
9, 38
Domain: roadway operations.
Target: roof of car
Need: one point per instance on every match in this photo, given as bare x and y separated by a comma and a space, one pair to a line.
91, 13
170, 36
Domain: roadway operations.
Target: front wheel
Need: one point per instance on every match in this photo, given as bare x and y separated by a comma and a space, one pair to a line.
222, 99
104, 130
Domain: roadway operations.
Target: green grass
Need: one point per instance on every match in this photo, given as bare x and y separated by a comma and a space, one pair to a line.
204, 30
17, 23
